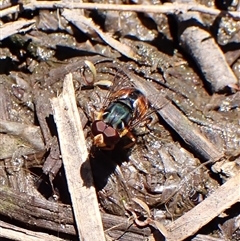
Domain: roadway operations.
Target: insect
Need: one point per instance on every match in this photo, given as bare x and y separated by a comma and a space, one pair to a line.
126, 108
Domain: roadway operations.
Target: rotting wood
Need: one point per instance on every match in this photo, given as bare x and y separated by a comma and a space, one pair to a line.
38, 212
16, 141
12, 232
204, 50
44, 112
77, 168
12, 144
223, 198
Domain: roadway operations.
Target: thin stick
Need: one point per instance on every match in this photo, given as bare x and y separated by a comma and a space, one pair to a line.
167, 8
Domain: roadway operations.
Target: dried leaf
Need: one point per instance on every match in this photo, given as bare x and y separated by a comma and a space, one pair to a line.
142, 205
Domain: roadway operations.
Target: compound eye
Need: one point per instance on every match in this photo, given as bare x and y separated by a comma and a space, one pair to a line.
98, 127
111, 136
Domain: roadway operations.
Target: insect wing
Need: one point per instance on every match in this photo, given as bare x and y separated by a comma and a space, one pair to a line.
140, 110
120, 81
141, 107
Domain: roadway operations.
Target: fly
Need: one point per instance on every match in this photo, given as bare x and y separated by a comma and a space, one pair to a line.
126, 108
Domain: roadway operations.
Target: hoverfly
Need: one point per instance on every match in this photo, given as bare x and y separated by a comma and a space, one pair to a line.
125, 109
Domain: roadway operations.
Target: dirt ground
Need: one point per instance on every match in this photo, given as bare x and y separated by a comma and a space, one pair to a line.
174, 173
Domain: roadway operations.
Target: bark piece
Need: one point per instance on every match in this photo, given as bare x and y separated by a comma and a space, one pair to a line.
11, 28
77, 168
38, 212
12, 232
209, 58
35, 211
204, 50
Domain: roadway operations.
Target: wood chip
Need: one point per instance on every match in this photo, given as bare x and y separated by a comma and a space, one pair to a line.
11, 28
77, 168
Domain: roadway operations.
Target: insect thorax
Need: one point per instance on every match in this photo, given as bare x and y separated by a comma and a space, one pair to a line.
118, 115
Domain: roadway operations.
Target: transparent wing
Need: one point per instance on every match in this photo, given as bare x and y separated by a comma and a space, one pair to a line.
116, 80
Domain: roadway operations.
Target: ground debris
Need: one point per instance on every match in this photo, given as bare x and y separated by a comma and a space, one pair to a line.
174, 175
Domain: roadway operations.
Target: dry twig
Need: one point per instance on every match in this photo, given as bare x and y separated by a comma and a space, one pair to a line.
167, 8
77, 168
223, 198
77, 20
11, 28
